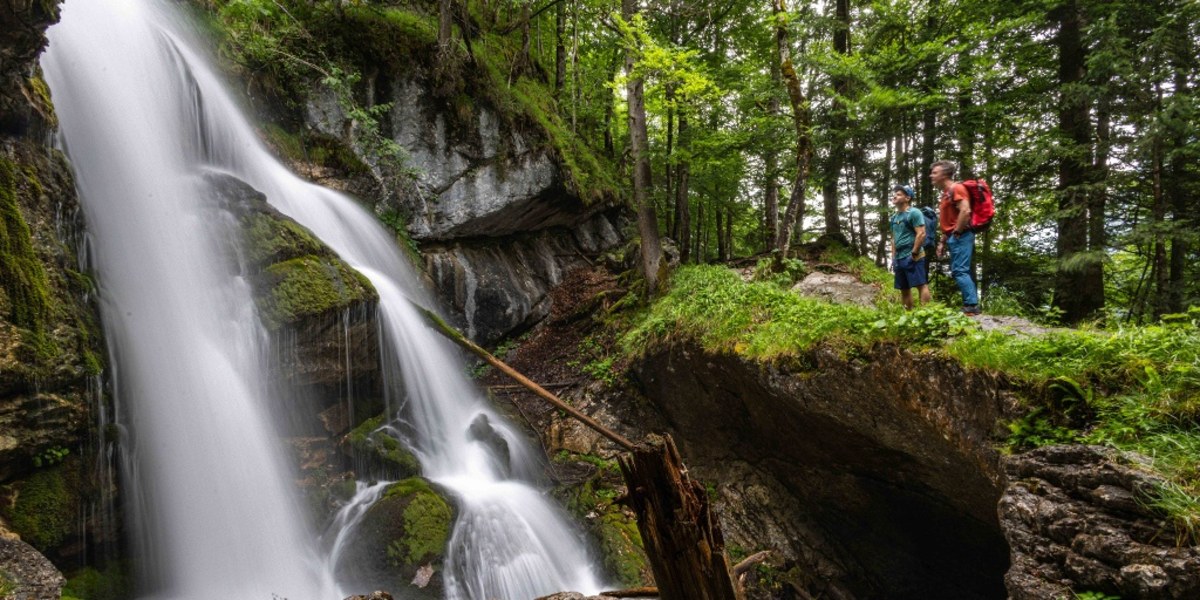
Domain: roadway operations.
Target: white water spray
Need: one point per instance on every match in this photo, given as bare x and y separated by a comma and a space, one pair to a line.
142, 113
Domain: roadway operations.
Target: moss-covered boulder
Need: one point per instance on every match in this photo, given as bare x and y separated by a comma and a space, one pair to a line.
321, 312
589, 488
45, 508
399, 544
377, 454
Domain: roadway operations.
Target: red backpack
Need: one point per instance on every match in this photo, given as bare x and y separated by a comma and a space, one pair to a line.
983, 208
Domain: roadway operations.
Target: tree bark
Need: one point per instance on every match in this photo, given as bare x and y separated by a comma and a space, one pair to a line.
445, 25
682, 206
837, 125
1183, 185
1075, 292
801, 121
560, 47
639, 146
682, 536
858, 164
770, 175
885, 191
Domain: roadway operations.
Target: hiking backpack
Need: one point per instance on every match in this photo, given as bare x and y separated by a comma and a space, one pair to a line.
931, 227
983, 207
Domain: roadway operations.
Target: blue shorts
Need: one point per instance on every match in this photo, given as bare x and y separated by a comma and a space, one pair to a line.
911, 273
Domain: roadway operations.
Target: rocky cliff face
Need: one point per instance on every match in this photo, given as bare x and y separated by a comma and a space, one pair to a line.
486, 204
872, 474
51, 354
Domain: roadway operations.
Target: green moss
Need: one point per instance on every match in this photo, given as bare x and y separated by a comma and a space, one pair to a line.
427, 520
41, 94
308, 286
45, 507
270, 238
113, 583
6, 585
23, 279
377, 451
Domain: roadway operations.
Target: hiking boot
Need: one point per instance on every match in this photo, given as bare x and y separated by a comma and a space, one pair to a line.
971, 310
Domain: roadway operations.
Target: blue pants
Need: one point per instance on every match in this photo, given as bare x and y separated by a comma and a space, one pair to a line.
961, 247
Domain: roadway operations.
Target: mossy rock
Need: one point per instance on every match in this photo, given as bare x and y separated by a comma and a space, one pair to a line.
378, 455
310, 286
44, 508
591, 499
406, 529
272, 238
115, 582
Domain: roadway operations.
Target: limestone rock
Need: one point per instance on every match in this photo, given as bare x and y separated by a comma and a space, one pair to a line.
574, 596
495, 223
25, 574
376, 595
1073, 521
837, 287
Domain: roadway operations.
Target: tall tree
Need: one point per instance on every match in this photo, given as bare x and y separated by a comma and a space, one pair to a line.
802, 122
837, 122
1078, 292
651, 246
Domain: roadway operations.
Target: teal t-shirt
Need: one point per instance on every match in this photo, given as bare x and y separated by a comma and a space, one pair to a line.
904, 230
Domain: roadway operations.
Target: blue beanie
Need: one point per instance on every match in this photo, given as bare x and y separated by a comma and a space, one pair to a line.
908, 191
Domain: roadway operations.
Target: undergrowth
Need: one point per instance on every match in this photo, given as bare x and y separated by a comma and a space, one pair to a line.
1131, 388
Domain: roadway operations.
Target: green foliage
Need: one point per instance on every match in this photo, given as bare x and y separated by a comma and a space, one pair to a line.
713, 306
1095, 596
783, 273
113, 583
50, 456
596, 360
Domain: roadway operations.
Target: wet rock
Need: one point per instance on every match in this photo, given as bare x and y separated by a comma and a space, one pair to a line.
1073, 521
837, 287
376, 595
400, 539
378, 453
321, 313
25, 574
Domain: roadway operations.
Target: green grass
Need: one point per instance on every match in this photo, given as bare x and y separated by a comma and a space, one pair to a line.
1131, 388
712, 306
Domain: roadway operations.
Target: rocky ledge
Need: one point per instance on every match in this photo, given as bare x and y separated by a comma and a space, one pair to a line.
1076, 521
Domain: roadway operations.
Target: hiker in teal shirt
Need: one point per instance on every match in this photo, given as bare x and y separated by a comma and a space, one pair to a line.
908, 247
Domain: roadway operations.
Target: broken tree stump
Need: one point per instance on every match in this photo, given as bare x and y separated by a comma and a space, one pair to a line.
682, 537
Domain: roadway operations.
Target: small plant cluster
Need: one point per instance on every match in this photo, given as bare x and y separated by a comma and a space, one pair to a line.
784, 273
50, 456
596, 361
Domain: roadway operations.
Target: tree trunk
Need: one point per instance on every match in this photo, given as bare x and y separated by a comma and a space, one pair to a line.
445, 25
1183, 186
837, 125
682, 205
699, 250
639, 147
1158, 215
885, 191
770, 176
794, 215
1074, 293
858, 162
720, 234
682, 536
560, 47
610, 107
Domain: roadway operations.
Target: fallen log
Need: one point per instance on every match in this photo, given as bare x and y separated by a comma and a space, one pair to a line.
682, 537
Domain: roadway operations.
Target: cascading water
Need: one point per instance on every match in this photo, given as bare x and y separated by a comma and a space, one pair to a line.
142, 114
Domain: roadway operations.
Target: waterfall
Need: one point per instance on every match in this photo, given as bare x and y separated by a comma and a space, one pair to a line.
142, 113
